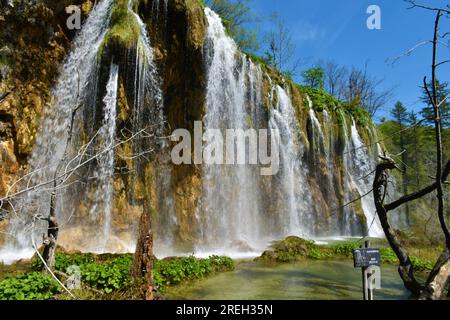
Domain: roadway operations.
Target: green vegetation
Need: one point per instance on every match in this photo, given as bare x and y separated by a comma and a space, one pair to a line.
362, 116
320, 99
176, 270
105, 272
30, 286
412, 143
442, 93
235, 14
124, 28
314, 77
323, 100
293, 249
105, 275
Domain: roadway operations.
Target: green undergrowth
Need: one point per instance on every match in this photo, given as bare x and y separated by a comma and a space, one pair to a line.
104, 276
177, 270
322, 100
29, 286
294, 249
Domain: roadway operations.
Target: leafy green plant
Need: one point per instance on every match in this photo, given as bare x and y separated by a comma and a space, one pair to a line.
107, 276
421, 264
388, 255
30, 286
345, 249
176, 270
63, 261
315, 254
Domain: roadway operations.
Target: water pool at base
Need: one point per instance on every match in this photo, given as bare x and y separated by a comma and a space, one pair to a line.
306, 280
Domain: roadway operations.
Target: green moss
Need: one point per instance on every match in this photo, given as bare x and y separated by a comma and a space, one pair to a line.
124, 28
287, 250
361, 116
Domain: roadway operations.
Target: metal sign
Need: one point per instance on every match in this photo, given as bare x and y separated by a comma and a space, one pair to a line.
366, 257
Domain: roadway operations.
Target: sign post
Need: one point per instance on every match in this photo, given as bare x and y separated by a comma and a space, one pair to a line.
368, 259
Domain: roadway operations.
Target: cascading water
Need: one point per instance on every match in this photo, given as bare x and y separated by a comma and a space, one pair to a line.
294, 200
238, 211
329, 157
230, 203
361, 170
317, 133
71, 90
104, 174
57, 150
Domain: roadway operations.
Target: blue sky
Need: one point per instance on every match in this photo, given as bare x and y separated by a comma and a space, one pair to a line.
336, 30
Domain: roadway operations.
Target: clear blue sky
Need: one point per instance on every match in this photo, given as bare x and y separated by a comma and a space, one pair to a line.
336, 30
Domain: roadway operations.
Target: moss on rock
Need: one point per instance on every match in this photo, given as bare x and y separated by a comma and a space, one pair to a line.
287, 250
124, 29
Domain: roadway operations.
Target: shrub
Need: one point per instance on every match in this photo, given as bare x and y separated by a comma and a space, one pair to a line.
30, 286
107, 276
345, 249
175, 270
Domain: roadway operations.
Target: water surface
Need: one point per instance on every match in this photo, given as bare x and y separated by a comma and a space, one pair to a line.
306, 280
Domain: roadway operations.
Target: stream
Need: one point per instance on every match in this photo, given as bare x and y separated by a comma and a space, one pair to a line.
305, 280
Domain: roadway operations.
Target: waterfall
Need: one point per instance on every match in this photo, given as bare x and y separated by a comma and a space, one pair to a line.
230, 202
156, 11
294, 203
148, 112
73, 88
317, 133
330, 158
238, 210
104, 174
360, 168
88, 190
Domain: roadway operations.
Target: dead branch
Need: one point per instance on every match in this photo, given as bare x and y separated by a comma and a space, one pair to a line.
405, 268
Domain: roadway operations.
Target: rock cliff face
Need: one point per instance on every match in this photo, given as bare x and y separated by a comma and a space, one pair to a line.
33, 41
164, 52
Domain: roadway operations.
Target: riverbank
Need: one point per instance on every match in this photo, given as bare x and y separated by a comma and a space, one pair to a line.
106, 276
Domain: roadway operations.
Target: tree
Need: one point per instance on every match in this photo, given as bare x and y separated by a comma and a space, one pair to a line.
363, 90
280, 47
443, 95
314, 77
400, 115
415, 137
235, 14
436, 286
334, 78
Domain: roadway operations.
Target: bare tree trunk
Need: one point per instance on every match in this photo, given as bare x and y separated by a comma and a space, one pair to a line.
439, 150
52, 234
142, 267
439, 279
405, 268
